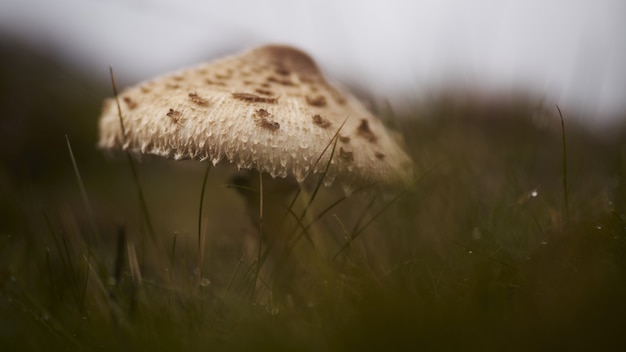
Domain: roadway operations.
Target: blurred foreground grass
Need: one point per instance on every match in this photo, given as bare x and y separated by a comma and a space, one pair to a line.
479, 255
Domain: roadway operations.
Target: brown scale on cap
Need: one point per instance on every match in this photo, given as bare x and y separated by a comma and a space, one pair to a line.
345, 155
262, 113
282, 81
379, 155
337, 96
282, 70
214, 83
264, 91
254, 98
344, 139
175, 116
320, 121
223, 76
198, 100
288, 58
262, 120
130, 103
318, 101
364, 131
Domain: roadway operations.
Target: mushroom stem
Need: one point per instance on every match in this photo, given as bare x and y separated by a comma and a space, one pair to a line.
265, 200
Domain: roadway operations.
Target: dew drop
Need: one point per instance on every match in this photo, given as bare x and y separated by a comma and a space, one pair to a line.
204, 282
534, 193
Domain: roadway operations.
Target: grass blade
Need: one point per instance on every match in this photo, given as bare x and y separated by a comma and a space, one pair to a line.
333, 143
375, 216
204, 182
133, 169
83, 191
564, 159
200, 237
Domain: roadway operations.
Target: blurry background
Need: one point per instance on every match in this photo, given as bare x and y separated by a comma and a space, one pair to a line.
568, 52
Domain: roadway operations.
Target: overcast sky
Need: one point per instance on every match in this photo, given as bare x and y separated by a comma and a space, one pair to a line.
571, 51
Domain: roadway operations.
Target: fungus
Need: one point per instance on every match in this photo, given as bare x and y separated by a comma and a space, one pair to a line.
265, 110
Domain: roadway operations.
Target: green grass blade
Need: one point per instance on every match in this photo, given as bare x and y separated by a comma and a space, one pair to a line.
333, 145
142, 200
200, 208
234, 273
360, 230
358, 222
305, 228
204, 182
133, 169
83, 191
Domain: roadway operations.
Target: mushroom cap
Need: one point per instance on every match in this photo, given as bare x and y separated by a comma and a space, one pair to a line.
268, 109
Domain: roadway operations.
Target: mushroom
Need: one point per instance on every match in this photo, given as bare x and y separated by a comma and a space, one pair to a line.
268, 109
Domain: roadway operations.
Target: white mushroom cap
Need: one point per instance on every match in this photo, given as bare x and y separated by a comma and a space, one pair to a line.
268, 109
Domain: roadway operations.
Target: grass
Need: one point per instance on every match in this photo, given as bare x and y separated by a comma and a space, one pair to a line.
482, 253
